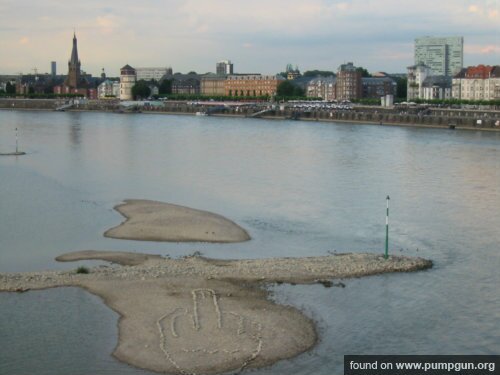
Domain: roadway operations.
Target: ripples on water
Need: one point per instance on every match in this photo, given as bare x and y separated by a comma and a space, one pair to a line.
299, 188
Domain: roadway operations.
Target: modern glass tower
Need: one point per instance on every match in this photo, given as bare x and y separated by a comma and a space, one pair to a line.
445, 56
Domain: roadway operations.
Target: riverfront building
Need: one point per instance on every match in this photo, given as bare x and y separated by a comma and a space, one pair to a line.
108, 89
128, 78
377, 87
436, 87
186, 84
444, 56
371, 87
416, 77
322, 87
480, 82
213, 84
348, 82
252, 85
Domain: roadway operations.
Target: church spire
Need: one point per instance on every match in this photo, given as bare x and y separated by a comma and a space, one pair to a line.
74, 53
73, 78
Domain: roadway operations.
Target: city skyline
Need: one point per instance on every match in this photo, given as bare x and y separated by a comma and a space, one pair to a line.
261, 36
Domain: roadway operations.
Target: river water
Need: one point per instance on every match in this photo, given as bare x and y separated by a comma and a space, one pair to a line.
299, 188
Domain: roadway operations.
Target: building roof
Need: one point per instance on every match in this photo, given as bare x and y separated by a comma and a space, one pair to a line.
418, 65
441, 81
461, 73
330, 79
302, 81
376, 80
214, 77
185, 78
127, 67
479, 72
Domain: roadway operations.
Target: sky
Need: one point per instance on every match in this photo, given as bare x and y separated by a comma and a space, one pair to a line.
258, 36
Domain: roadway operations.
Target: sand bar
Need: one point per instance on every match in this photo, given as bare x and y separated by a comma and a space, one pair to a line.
157, 221
205, 316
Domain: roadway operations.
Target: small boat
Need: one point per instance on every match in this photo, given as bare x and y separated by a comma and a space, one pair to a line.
201, 114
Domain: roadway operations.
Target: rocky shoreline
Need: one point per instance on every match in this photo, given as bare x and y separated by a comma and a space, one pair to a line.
274, 270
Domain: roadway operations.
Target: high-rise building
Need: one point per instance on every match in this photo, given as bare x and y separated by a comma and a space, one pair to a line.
224, 67
53, 68
445, 56
73, 78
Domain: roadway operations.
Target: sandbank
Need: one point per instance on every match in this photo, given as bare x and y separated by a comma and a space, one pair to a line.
206, 316
157, 221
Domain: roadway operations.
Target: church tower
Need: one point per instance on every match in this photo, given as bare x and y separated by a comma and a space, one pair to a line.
73, 78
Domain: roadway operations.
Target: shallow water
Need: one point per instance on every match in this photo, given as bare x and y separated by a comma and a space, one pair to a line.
299, 188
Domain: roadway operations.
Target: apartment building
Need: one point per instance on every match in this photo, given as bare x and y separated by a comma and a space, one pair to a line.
322, 87
480, 82
416, 77
252, 84
348, 82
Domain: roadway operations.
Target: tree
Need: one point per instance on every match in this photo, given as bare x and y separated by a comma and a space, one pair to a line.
363, 71
288, 89
141, 89
298, 91
165, 87
401, 87
10, 88
322, 73
285, 88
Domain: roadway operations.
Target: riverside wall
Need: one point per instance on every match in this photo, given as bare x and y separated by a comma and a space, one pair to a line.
433, 117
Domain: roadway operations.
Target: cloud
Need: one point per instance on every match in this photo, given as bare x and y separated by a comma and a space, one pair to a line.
259, 35
473, 9
107, 24
342, 6
493, 14
482, 49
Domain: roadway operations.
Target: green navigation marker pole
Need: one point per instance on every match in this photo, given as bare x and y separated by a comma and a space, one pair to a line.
386, 255
17, 151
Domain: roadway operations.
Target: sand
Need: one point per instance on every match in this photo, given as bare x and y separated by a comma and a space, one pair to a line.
156, 221
205, 316
197, 315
